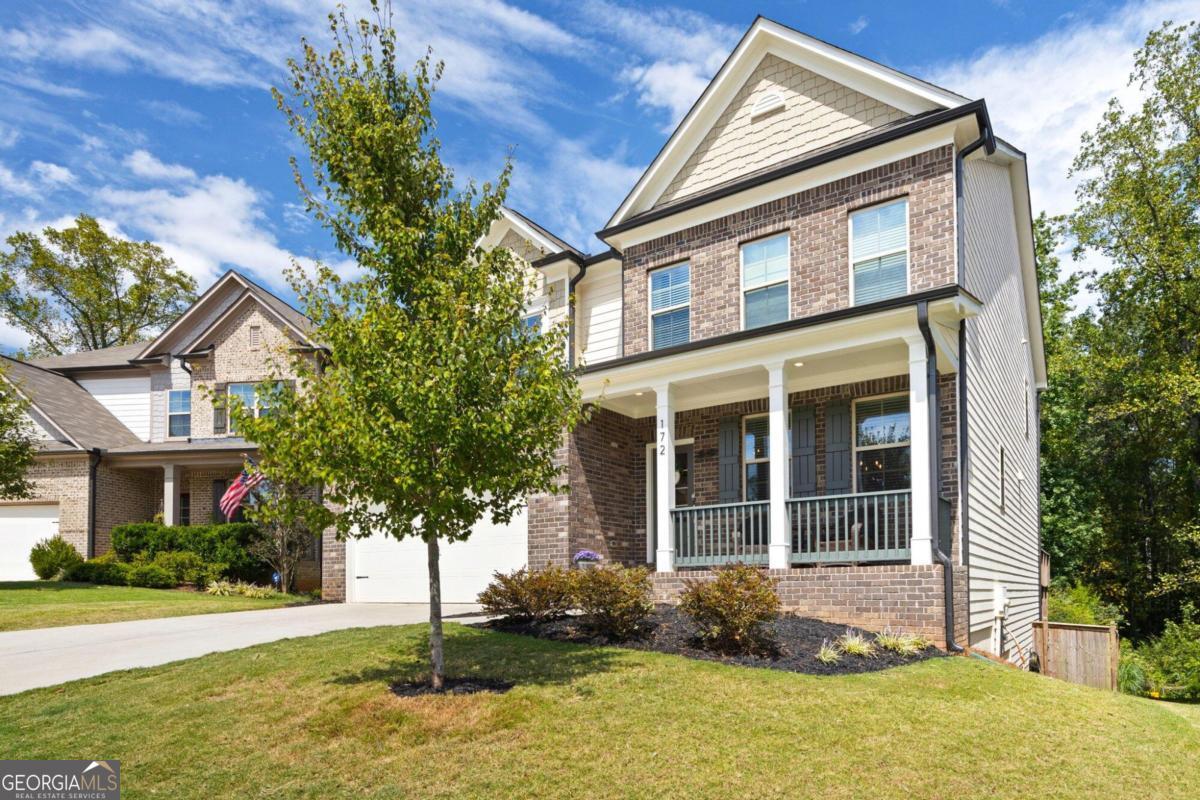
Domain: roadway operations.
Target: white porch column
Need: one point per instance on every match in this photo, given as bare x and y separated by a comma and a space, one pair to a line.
918, 412
781, 547
172, 478
664, 484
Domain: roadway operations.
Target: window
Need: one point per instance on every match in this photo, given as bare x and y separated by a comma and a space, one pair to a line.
254, 397
756, 456
879, 252
670, 311
765, 281
882, 444
683, 475
185, 509
179, 413
533, 323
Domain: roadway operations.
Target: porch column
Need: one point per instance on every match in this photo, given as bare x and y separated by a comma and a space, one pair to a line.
780, 553
921, 461
172, 478
664, 484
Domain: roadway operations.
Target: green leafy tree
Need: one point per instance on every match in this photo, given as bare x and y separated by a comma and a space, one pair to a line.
17, 445
1138, 195
432, 406
81, 289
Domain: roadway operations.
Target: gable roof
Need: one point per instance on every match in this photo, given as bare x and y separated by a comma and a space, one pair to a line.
107, 358
904, 92
536, 233
68, 406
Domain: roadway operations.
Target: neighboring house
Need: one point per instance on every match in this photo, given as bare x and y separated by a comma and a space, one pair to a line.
130, 432
814, 345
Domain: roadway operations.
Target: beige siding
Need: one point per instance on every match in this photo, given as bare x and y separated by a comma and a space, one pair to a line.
598, 315
1003, 542
126, 398
816, 112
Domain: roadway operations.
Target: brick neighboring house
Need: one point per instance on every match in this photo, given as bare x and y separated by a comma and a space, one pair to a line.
128, 433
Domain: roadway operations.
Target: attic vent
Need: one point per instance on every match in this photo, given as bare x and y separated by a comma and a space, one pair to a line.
557, 293
255, 336
768, 103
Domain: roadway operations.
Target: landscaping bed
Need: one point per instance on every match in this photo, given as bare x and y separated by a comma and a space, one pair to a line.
797, 642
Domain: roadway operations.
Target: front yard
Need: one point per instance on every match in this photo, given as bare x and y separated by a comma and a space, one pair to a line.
49, 604
315, 718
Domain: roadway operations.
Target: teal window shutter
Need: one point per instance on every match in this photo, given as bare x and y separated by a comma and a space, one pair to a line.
804, 451
838, 447
729, 465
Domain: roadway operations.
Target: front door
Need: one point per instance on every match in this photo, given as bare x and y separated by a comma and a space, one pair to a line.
685, 491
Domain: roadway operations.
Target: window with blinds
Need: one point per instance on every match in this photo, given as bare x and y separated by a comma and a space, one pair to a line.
883, 444
879, 252
670, 306
756, 456
765, 281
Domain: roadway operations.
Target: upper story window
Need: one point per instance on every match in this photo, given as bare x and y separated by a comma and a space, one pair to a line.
533, 323
882, 444
255, 398
765, 281
756, 456
879, 252
670, 306
179, 413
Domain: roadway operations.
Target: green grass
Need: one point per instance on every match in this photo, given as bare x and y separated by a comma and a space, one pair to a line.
313, 718
49, 604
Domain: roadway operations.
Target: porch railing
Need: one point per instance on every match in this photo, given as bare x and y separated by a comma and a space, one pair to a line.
873, 526
721, 534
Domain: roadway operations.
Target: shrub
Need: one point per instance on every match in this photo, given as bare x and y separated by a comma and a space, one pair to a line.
221, 588
732, 609
52, 557
615, 599
527, 595
225, 544
1171, 661
188, 567
828, 654
105, 570
1131, 673
1081, 605
150, 576
853, 643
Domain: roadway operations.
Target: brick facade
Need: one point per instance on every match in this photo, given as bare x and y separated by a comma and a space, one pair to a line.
817, 221
64, 480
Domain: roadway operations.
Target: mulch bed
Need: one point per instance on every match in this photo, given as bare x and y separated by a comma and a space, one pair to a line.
797, 640
453, 686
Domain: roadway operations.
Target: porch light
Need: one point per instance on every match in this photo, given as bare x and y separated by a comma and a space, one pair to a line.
638, 394
798, 364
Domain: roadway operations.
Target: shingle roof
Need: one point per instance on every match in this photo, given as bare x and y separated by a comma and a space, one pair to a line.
69, 406
92, 359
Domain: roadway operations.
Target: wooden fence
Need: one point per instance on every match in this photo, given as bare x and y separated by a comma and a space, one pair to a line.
1086, 654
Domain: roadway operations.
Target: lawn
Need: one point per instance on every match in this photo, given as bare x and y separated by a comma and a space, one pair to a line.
49, 604
314, 718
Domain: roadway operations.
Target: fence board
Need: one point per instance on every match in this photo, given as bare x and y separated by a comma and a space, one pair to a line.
1084, 654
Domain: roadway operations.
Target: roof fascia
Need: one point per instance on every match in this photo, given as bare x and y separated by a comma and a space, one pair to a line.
42, 413
152, 346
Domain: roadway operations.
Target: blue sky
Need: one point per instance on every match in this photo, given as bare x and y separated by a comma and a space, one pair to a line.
155, 115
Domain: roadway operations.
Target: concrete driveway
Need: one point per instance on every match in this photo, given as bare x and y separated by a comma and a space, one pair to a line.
48, 656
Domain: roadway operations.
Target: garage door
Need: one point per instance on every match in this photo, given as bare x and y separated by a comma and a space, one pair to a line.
383, 570
21, 527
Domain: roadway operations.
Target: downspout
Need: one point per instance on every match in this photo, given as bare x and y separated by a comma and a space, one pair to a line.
93, 469
935, 471
571, 313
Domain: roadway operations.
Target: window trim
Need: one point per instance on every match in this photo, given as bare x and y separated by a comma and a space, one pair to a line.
651, 312
748, 461
179, 414
787, 236
854, 447
256, 408
907, 241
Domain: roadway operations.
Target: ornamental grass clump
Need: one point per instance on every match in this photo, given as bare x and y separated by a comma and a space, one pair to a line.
854, 643
530, 595
732, 610
615, 600
902, 644
828, 654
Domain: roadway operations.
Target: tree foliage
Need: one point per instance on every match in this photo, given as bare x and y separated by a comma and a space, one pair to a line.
431, 405
81, 289
17, 444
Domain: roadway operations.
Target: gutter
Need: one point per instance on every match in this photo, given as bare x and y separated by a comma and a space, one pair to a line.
571, 313
986, 139
935, 472
93, 468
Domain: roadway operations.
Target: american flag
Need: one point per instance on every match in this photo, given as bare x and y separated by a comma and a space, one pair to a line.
237, 491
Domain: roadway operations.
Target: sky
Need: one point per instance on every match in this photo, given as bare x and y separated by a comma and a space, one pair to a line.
156, 117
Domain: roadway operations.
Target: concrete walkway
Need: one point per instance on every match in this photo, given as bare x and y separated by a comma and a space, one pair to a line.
48, 656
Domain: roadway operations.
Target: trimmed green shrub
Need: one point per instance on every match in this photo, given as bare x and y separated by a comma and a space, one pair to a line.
105, 570
225, 544
615, 600
731, 610
529, 595
53, 557
1080, 605
188, 567
150, 576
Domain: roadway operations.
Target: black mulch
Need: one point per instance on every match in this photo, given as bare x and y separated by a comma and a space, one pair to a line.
454, 686
796, 642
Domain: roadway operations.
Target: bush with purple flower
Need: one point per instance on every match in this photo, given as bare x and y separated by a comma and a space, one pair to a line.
586, 557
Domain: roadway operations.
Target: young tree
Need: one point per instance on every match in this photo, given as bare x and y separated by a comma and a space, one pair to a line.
80, 289
17, 445
287, 516
433, 406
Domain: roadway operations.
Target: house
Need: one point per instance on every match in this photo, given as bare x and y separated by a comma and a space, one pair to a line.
130, 432
813, 344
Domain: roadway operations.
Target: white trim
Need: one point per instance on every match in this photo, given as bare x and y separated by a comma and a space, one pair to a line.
152, 345
787, 235
532, 234
168, 437
746, 462
651, 509
855, 448
233, 309
907, 250
652, 312
40, 412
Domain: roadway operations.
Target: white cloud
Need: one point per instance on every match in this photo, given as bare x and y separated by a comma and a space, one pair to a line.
51, 175
15, 184
859, 25
8, 136
172, 113
144, 165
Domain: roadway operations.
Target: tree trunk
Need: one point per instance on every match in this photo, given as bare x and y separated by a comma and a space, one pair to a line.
436, 662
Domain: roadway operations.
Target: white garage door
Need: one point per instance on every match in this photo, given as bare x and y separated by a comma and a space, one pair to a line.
383, 570
21, 527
